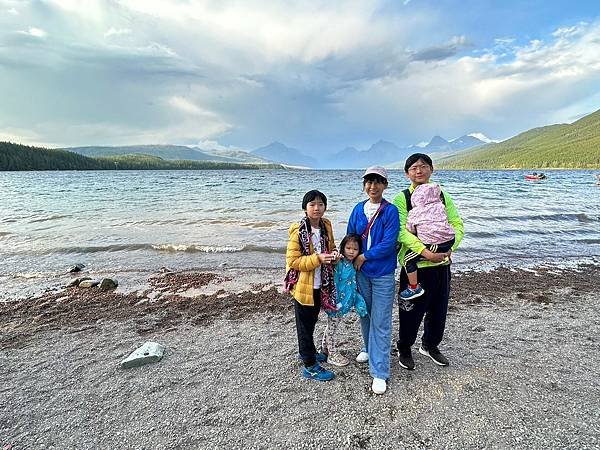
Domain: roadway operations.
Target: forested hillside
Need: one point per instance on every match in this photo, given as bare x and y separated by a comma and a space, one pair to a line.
22, 157
575, 145
146, 162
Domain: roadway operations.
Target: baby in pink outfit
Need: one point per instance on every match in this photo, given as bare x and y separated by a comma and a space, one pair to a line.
427, 220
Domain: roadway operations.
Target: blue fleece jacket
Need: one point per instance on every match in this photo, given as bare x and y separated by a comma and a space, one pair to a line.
381, 257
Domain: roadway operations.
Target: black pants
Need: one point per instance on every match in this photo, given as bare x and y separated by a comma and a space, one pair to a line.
433, 306
306, 319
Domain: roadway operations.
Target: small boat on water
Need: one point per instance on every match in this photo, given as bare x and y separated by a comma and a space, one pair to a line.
535, 176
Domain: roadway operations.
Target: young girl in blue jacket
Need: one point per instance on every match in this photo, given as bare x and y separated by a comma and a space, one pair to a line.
348, 298
377, 221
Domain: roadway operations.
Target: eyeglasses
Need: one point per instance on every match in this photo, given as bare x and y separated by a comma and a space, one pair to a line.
420, 167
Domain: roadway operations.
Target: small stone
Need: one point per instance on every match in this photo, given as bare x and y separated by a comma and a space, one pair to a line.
89, 283
77, 267
154, 295
108, 283
478, 329
148, 353
76, 281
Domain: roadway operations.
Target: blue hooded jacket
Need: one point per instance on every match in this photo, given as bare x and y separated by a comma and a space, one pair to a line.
381, 257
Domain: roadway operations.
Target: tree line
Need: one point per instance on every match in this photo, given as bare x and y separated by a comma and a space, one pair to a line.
15, 157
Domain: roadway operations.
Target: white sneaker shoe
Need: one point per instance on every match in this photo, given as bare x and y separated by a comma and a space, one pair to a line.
379, 386
362, 357
337, 359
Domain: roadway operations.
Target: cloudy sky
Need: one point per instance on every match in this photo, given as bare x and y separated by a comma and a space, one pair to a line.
315, 75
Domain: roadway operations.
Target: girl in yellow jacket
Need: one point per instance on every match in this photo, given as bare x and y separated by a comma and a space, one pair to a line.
309, 263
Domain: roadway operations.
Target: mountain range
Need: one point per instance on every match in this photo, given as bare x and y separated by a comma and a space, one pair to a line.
574, 145
169, 153
381, 152
278, 152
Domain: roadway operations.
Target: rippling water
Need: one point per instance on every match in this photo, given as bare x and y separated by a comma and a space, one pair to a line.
133, 222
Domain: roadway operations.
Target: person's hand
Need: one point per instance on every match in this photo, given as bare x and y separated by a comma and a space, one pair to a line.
434, 257
359, 261
326, 258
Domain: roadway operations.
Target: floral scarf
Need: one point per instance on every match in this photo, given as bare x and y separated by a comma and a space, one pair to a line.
328, 294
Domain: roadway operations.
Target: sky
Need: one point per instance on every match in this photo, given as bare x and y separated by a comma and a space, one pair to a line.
315, 75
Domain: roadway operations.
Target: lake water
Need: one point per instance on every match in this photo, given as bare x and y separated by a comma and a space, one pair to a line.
131, 222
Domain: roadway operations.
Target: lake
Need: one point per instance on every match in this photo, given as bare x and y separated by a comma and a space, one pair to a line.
131, 222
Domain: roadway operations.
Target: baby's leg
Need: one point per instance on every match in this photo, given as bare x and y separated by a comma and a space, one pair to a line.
410, 265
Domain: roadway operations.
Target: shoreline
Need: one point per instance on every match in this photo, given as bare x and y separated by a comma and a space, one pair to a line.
198, 296
242, 274
520, 374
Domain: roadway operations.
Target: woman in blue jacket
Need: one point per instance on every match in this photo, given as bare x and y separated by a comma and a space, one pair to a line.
377, 221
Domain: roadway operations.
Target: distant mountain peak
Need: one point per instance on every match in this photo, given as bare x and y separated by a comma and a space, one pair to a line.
281, 153
383, 142
482, 137
437, 142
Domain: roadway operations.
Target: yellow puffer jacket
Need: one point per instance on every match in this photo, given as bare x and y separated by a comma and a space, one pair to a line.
306, 265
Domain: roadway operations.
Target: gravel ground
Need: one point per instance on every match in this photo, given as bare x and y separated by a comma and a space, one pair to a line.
523, 373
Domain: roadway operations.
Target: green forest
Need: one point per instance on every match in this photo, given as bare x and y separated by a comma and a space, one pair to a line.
567, 146
22, 157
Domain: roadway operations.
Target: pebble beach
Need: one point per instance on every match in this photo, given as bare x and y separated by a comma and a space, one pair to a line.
520, 344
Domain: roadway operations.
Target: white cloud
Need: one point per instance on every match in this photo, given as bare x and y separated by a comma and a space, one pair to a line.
190, 108
87, 8
452, 95
209, 144
569, 32
272, 31
246, 72
116, 32
35, 32
13, 11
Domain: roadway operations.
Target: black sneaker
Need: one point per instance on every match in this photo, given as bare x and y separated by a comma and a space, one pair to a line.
406, 360
435, 355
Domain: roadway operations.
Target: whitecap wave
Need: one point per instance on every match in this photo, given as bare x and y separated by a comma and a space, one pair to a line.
194, 248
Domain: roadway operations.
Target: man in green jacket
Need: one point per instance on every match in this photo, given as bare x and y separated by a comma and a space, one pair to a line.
433, 274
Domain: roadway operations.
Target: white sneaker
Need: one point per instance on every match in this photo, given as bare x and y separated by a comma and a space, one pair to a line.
379, 386
337, 359
362, 357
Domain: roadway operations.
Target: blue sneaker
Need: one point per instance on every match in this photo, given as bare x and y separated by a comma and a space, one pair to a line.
321, 357
316, 372
409, 294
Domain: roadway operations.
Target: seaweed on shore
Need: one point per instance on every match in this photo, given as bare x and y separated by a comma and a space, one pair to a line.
75, 308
